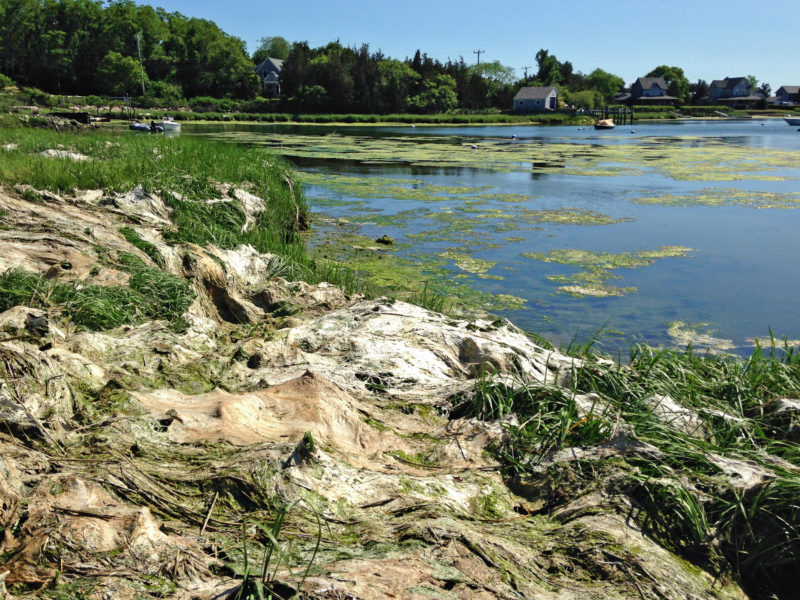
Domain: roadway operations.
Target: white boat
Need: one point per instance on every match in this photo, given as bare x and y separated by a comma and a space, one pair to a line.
170, 124
792, 121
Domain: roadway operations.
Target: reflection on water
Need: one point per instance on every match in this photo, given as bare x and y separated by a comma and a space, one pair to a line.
571, 221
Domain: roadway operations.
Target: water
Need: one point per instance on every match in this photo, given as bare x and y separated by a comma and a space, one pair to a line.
496, 217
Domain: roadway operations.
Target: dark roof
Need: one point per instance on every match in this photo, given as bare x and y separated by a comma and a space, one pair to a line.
649, 82
728, 82
790, 89
535, 93
269, 65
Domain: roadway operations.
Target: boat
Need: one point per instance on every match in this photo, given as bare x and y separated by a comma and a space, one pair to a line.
605, 124
153, 127
169, 124
793, 121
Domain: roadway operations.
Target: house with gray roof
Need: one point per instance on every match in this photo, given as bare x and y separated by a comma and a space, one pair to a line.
733, 91
536, 99
269, 71
787, 94
650, 91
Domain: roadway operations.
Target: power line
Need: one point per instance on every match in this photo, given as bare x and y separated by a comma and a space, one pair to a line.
526, 72
478, 52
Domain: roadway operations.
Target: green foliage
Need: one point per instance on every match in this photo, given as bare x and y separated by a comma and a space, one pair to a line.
677, 84
549, 68
271, 47
607, 84
119, 75
438, 95
84, 47
5, 81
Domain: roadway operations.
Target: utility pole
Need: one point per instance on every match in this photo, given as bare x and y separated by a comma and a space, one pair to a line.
526, 72
478, 52
141, 68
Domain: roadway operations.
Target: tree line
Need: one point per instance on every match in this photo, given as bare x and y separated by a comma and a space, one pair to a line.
87, 47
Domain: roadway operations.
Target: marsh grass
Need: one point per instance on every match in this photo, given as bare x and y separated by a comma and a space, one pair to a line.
151, 294
187, 172
681, 495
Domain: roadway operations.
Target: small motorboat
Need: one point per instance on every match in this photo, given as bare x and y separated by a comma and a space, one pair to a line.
794, 122
169, 124
145, 128
604, 124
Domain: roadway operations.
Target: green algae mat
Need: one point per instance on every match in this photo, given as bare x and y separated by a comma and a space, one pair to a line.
625, 235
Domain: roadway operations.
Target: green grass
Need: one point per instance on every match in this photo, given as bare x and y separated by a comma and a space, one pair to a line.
187, 171
151, 294
680, 495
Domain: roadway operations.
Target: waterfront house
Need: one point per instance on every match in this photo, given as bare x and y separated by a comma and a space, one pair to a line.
535, 99
650, 91
734, 92
787, 94
270, 73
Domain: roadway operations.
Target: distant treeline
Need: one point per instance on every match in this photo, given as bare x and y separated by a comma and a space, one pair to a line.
90, 47
83, 47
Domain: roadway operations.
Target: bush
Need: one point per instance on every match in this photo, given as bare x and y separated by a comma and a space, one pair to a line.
5, 81
38, 97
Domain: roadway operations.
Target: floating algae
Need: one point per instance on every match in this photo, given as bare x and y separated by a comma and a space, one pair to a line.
405, 276
598, 268
725, 197
467, 263
699, 336
686, 158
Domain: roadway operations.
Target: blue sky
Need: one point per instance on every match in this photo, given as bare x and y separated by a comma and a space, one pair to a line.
709, 39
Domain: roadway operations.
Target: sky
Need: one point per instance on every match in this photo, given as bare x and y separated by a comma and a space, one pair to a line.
708, 39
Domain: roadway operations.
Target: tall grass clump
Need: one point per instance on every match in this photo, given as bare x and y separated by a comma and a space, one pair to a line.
682, 493
151, 294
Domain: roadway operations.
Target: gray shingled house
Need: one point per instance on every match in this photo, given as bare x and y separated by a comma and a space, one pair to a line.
535, 99
650, 91
270, 73
787, 94
733, 91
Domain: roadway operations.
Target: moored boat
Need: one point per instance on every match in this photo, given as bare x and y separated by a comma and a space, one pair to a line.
605, 124
170, 124
792, 121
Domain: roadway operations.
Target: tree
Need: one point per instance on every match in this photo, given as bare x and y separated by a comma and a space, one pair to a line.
752, 82
606, 83
438, 95
549, 68
584, 98
271, 47
765, 89
495, 71
397, 79
677, 84
698, 91
120, 75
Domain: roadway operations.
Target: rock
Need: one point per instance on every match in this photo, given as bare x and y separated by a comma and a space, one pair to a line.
385, 240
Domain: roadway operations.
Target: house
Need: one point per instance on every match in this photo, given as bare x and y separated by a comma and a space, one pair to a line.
733, 91
270, 73
534, 99
651, 91
787, 94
